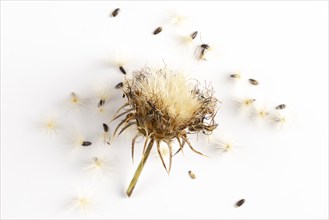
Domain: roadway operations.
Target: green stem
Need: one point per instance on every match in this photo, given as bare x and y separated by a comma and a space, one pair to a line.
139, 168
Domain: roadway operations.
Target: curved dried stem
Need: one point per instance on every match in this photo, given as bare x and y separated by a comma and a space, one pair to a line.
119, 109
181, 146
147, 138
189, 144
118, 126
127, 126
169, 144
123, 113
160, 154
133, 145
139, 168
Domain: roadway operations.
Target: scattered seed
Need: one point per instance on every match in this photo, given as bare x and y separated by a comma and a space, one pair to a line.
105, 127
119, 85
192, 175
122, 70
194, 34
248, 101
202, 53
158, 30
86, 143
235, 76
253, 82
281, 106
101, 103
239, 203
115, 12
74, 98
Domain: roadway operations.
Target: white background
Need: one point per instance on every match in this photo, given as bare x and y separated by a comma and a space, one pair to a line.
49, 49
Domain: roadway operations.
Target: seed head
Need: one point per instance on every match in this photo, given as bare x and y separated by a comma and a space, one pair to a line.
165, 106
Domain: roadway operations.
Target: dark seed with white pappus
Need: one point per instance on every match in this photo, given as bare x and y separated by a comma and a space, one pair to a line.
119, 85
253, 82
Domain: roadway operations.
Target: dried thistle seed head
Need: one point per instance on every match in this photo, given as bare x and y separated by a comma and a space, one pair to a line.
166, 104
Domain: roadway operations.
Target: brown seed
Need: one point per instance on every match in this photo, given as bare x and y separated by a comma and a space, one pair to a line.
158, 30
192, 175
119, 85
74, 97
115, 12
281, 106
235, 76
239, 203
105, 127
96, 160
101, 102
194, 34
122, 70
203, 48
86, 143
253, 82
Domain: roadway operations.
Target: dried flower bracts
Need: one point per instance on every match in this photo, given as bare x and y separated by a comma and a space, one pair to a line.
165, 106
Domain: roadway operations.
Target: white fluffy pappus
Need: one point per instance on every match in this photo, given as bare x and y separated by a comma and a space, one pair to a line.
174, 92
